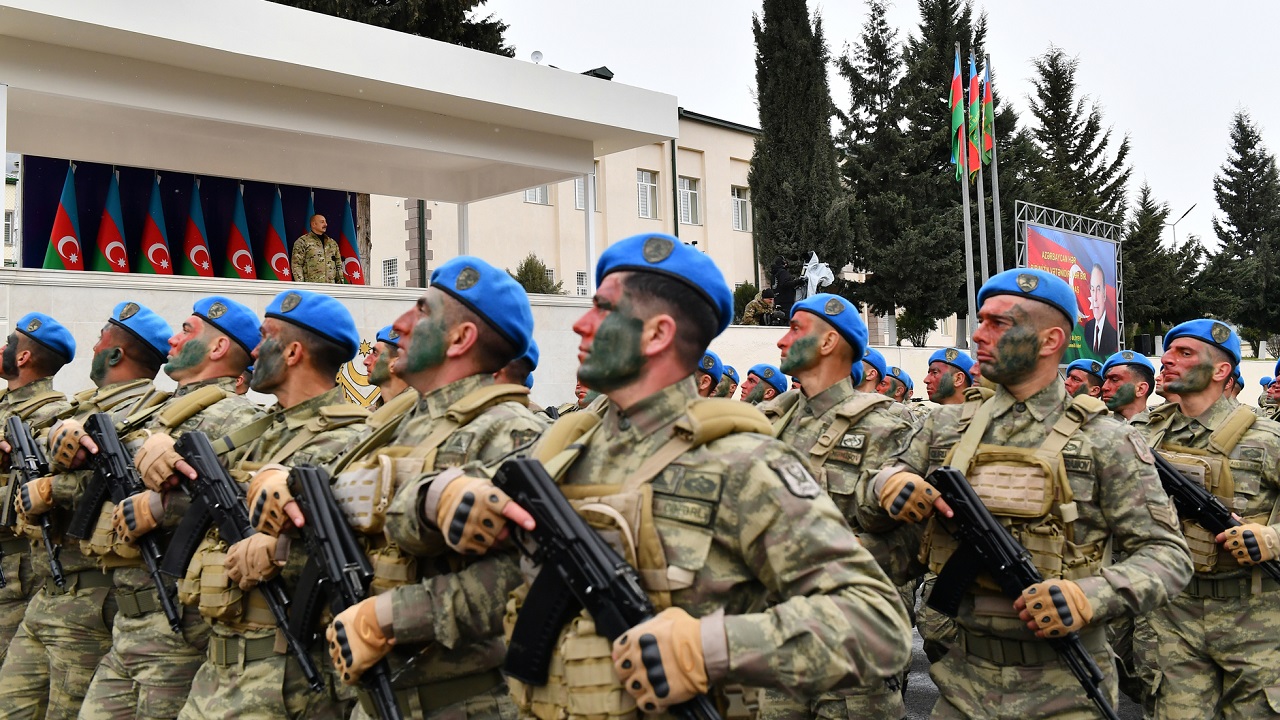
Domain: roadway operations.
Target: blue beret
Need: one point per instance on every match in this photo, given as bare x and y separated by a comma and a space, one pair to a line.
1238, 376
877, 361
1266, 381
319, 314
732, 374
710, 364
49, 333
666, 255
249, 369
492, 294
901, 375
148, 327
770, 374
1210, 331
856, 372
234, 320
1093, 367
1127, 357
532, 354
388, 335
528, 381
1036, 285
842, 315
956, 358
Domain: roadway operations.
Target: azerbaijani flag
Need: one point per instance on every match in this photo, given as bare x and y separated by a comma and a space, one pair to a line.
975, 119
111, 255
195, 239
64, 252
988, 115
275, 251
155, 237
957, 119
239, 261
351, 269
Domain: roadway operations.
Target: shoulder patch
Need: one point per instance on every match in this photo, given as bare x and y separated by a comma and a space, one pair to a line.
521, 438
795, 476
458, 442
1144, 450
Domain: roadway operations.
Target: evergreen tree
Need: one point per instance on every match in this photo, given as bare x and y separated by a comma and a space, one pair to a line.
444, 20
531, 273
1074, 172
796, 197
1150, 274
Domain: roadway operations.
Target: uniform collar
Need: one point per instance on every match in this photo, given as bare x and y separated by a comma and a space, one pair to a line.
1050, 399
30, 390
107, 391
654, 412
437, 402
300, 414
1212, 418
820, 404
225, 383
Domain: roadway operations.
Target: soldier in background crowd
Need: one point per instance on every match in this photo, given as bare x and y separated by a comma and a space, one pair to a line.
1264, 398
316, 257
898, 385
874, 370
710, 373
760, 311
1128, 381
763, 382
377, 365
728, 383
950, 374
1084, 377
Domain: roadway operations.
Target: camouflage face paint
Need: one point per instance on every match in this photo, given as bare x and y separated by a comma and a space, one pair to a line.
9, 359
98, 366
946, 388
615, 358
268, 370
193, 352
1193, 380
723, 388
427, 345
802, 354
1016, 352
381, 371
1124, 395
757, 393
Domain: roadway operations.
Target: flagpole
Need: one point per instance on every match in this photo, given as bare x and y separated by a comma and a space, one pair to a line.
982, 202
995, 187
962, 157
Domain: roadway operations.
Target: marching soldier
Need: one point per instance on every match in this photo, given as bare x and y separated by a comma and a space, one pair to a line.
1084, 377
950, 374
874, 370
728, 383
710, 373
377, 365
763, 382
1128, 381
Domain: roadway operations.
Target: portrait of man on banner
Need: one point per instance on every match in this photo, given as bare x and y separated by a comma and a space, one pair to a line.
1088, 264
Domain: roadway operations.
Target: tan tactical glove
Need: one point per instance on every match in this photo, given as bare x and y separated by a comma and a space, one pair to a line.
907, 497
64, 445
357, 640
268, 496
1251, 543
255, 559
1054, 608
660, 661
136, 516
35, 498
469, 513
155, 461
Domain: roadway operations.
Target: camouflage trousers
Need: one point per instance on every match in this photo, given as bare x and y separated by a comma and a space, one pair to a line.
973, 688
148, 671
270, 688
53, 656
883, 701
937, 630
18, 589
1134, 644
1218, 657
495, 704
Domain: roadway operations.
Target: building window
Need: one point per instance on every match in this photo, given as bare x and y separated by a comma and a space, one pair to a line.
537, 196
581, 277
391, 273
741, 209
647, 193
688, 195
550, 275
8, 228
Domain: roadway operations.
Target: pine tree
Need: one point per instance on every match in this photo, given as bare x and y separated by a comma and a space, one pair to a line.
444, 20
1149, 270
1074, 171
531, 273
795, 184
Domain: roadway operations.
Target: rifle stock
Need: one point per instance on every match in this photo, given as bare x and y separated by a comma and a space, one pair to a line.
29, 462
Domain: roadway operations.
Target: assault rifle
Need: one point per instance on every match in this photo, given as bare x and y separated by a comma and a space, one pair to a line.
29, 462
1194, 502
337, 567
220, 495
985, 544
579, 570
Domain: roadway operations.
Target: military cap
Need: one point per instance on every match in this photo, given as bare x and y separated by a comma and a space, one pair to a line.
770, 374
767, 293
856, 372
492, 294
956, 358
876, 360
148, 327
841, 314
1209, 331
901, 375
1093, 367
710, 364
1238, 377
666, 255
49, 333
1127, 357
1036, 285
233, 319
732, 374
1266, 381
319, 314
389, 336
532, 354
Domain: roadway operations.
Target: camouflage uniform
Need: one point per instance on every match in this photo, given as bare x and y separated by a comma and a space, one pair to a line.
447, 619
1218, 651
243, 675
19, 581
1118, 502
842, 454
148, 671
65, 631
740, 522
316, 259
756, 311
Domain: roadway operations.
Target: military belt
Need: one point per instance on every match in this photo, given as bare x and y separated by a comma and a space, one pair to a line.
136, 603
231, 651
15, 546
1003, 651
1226, 588
435, 695
82, 580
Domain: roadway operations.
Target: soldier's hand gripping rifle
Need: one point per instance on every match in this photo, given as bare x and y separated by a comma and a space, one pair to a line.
1194, 502
579, 570
28, 460
986, 545
220, 495
337, 567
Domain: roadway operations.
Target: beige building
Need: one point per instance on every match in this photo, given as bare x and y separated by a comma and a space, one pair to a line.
700, 195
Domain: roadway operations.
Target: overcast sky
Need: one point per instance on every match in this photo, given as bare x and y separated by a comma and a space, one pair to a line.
1169, 74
